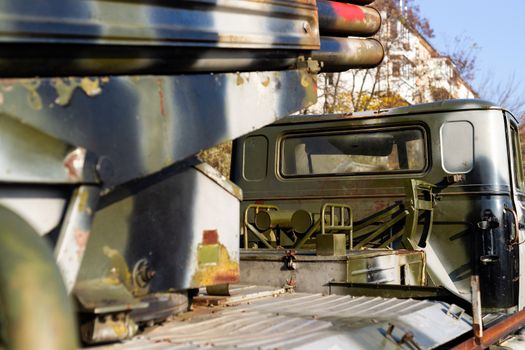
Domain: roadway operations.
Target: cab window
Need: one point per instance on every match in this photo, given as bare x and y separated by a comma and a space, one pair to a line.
517, 160
457, 147
347, 153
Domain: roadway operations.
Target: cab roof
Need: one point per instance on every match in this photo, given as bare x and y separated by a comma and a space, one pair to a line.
434, 107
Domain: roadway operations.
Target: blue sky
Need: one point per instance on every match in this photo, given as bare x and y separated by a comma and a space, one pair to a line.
497, 26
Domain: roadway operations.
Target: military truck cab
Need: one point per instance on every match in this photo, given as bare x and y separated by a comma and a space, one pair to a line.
444, 180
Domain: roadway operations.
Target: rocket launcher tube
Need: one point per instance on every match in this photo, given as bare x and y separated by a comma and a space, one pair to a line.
340, 54
340, 19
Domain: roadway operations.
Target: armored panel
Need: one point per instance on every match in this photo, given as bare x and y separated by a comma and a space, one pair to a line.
137, 125
183, 223
312, 274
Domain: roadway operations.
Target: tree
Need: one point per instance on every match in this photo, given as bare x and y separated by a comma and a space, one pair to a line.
508, 93
463, 51
407, 12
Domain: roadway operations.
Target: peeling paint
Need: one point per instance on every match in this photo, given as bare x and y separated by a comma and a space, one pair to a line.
214, 263
266, 82
74, 164
83, 202
65, 88
34, 99
119, 268
240, 80
91, 87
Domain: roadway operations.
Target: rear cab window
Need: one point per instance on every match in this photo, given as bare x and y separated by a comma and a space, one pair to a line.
385, 151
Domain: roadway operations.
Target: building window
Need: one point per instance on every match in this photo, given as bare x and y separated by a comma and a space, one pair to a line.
396, 68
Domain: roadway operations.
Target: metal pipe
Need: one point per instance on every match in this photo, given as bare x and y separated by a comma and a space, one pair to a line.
341, 54
36, 311
302, 220
477, 317
340, 19
266, 220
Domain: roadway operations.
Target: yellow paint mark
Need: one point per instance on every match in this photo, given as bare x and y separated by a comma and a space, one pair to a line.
91, 87
83, 201
64, 89
240, 80
34, 98
119, 267
305, 80
222, 272
266, 82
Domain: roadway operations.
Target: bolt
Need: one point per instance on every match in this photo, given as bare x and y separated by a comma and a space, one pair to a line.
105, 169
150, 274
307, 28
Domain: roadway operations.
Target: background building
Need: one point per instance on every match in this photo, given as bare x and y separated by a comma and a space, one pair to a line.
413, 72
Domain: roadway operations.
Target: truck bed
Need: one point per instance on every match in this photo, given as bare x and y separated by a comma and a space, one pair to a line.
268, 318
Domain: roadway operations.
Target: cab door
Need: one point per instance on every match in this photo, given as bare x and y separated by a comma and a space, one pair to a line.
518, 190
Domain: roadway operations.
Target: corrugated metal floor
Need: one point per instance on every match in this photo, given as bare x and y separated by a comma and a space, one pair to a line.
307, 321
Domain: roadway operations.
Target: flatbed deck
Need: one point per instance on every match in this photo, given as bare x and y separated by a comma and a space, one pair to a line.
268, 318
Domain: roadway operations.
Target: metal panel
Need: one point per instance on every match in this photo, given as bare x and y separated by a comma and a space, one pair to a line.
29, 155
139, 125
310, 321
313, 274
41, 207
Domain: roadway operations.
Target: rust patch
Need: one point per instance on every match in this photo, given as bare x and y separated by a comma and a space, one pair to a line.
161, 98
81, 238
380, 205
210, 237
